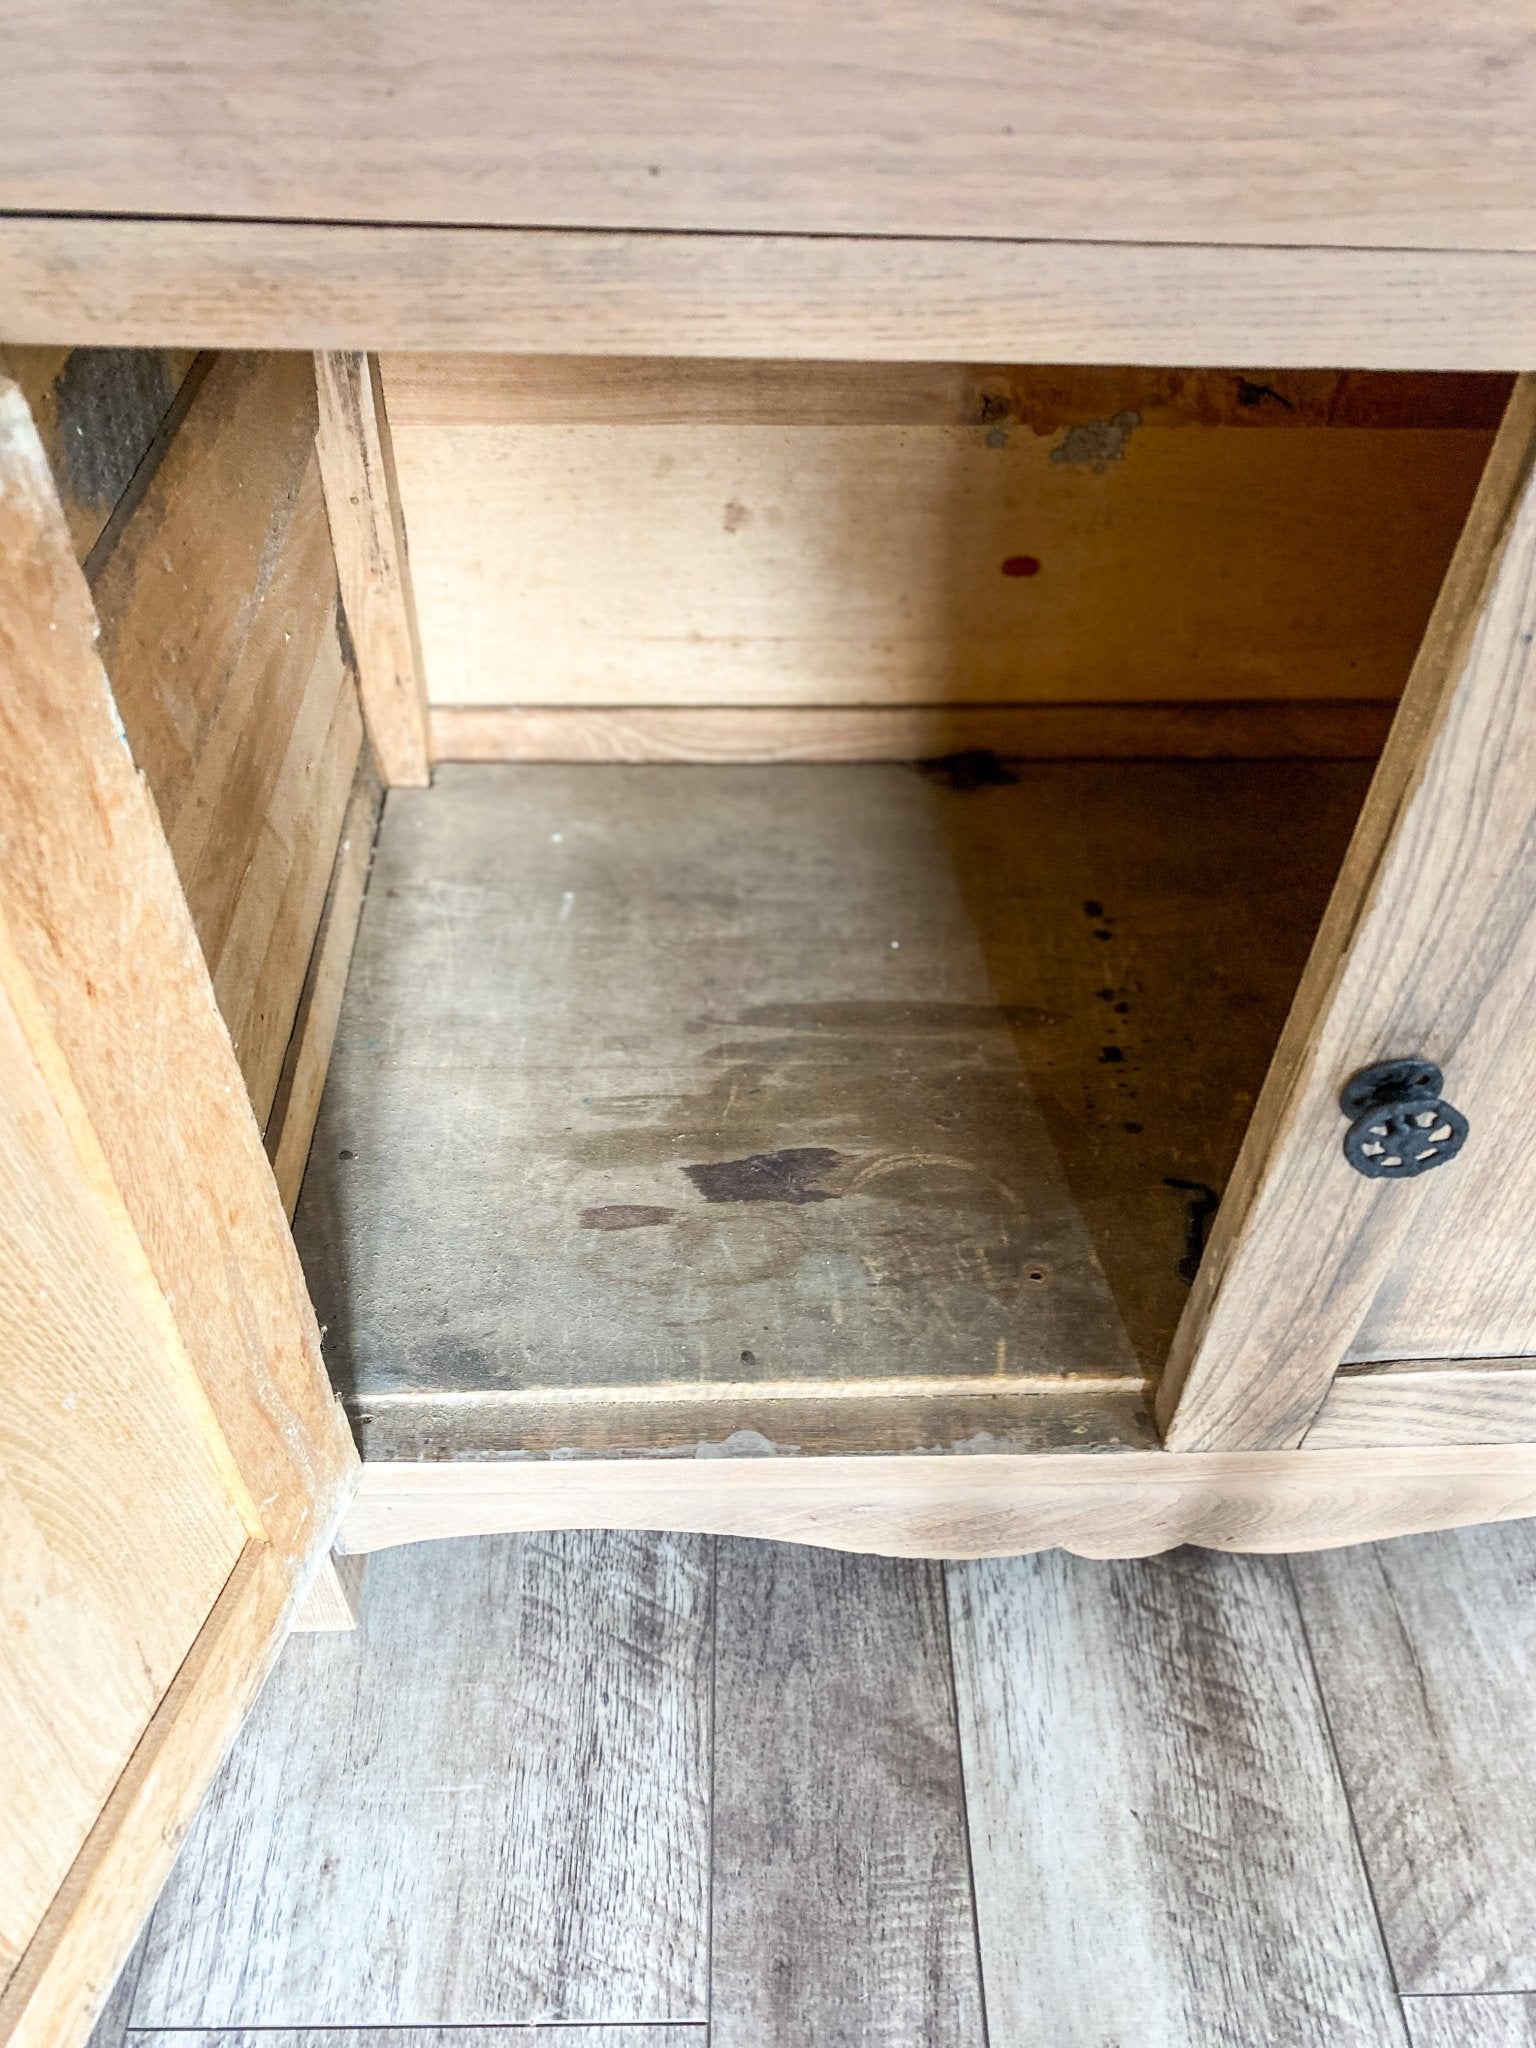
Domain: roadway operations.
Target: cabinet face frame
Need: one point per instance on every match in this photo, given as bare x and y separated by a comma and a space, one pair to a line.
89, 839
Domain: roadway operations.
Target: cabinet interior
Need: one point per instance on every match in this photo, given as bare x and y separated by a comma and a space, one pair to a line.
882, 813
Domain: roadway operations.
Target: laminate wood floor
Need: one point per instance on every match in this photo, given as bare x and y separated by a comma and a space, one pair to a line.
602, 1791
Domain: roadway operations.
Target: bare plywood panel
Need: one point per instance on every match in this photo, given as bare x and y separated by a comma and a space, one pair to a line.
1174, 123
1044, 555
507, 1699
841, 1883
218, 606
1425, 1650
699, 1105
273, 284
1162, 1847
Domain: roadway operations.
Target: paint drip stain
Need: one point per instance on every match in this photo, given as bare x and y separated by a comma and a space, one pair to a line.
624, 1216
786, 1176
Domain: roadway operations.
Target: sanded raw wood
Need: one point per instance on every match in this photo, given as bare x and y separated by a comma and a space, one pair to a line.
1174, 122
100, 931
1162, 1848
90, 1927
1426, 1653
569, 390
1428, 950
271, 284
99, 919
334, 1599
510, 1699
1430, 1401
1497, 2022
574, 984
118, 1520
363, 502
101, 413
1306, 729
1115, 1504
841, 1885
218, 603
868, 565
296, 1102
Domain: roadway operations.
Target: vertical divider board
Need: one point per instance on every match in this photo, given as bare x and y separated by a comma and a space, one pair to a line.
368, 535
1427, 951
99, 923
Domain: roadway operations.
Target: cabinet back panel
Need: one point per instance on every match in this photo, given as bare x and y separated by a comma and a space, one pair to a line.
630, 533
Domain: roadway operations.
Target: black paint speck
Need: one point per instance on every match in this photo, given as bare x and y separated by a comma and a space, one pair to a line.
1103, 932
1106, 995
1093, 908
1122, 1009
346, 1155
785, 1176
749, 1358
1249, 393
976, 768
1134, 1129
1110, 1055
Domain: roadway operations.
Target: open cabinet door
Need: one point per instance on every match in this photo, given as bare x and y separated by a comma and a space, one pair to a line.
1427, 956
172, 1461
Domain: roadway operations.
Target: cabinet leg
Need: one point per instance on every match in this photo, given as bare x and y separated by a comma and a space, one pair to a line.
335, 1596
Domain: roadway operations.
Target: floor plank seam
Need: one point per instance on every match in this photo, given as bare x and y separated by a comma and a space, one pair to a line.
1349, 1805
965, 1799
714, 1751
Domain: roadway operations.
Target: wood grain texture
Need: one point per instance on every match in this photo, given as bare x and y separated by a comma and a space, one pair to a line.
267, 284
1315, 729
218, 603
118, 1520
362, 500
1499, 2022
593, 1233
1198, 125
477, 390
580, 1714
1428, 950
1117, 559
1145, 1752
1425, 1653
605, 2036
296, 1100
1430, 1401
91, 1924
1113, 1504
99, 920
841, 1887
101, 414
738, 923
334, 1600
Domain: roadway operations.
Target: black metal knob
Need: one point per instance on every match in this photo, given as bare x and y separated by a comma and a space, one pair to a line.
1401, 1124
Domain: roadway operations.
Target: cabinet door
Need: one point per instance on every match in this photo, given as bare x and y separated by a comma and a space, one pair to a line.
172, 1462
1427, 954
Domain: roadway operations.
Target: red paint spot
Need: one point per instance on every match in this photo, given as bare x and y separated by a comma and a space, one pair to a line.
1021, 565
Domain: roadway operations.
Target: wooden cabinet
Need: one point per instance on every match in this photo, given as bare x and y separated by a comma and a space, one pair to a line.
794, 707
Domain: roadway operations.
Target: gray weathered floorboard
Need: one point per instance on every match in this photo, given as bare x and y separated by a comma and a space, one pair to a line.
489, 1806
842, 1907
1505, 2020
1426, 1651
1162, 1848
690, 2035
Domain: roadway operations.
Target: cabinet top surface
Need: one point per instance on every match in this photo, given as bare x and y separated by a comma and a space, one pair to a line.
1177, 120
